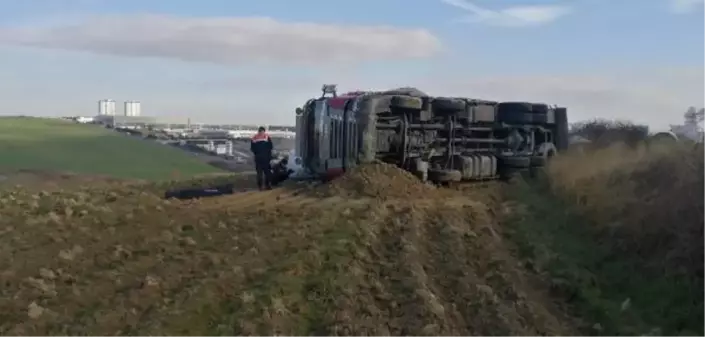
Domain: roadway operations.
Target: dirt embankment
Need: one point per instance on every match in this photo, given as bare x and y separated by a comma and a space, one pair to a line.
375, 252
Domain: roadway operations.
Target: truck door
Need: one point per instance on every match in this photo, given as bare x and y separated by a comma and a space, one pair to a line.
300, 132
320, 153
350, 134
304, 127
309, 136
334, 163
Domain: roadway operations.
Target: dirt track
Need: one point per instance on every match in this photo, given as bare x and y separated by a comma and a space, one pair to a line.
346, 258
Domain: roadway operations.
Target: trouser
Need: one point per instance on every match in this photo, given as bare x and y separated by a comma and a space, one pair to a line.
264, 173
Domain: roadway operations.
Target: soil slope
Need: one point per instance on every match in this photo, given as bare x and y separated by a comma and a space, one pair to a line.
375, 252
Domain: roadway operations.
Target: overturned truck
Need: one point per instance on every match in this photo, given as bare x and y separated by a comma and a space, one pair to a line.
439, 139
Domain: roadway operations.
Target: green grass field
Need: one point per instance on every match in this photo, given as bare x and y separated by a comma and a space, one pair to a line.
56, 145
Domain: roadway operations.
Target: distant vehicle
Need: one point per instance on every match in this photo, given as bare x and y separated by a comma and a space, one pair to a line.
85, 120
439, 139
690, 131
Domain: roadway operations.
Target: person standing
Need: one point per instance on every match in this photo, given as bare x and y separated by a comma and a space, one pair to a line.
261, 146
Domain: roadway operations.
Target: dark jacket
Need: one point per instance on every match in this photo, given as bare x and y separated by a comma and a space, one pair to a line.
261, 146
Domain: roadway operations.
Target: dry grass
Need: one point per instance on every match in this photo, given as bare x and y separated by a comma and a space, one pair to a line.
649, 200
618, 233
603, 133
335, 259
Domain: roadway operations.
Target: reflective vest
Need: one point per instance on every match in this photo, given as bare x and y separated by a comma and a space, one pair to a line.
260, 137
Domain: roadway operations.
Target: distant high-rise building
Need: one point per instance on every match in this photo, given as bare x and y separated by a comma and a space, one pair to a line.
106, 107
132, 108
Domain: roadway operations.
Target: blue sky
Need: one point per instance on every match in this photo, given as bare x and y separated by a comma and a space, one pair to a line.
255, 61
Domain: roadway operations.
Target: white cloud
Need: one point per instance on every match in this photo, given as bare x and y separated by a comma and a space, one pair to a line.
42, 82
686, 6
517, 16
657, 97
653, 96
235, 40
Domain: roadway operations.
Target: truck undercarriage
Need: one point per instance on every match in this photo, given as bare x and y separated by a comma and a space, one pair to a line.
440, 139
453, 148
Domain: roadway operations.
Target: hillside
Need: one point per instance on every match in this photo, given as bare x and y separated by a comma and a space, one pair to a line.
47, 145
288, 261
374, 252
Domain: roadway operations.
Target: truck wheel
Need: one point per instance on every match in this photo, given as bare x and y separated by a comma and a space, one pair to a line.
516, 162
516, 106
443, 176
539, 118
539, 108
448, 104
406, 102
514, 113
544, 152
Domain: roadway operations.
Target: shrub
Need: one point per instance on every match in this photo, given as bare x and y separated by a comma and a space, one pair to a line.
602, 133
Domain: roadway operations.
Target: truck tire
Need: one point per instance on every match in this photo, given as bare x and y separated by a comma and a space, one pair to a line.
515, 113
539, 118
406, 91
451, 105
443, 176
539, 108
406, 102
516, 162
543, 154
547, 150
516, 106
